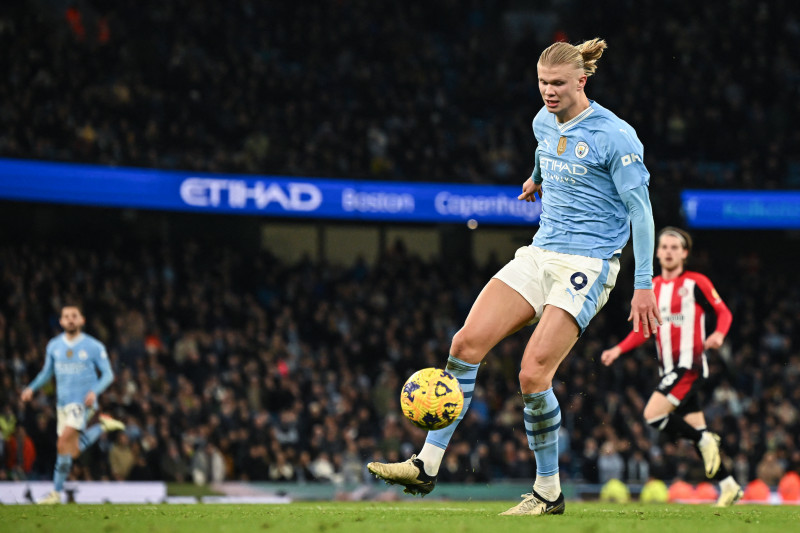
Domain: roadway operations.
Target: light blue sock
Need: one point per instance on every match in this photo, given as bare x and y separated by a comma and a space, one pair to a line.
63, 466
89, 437
465, 373
542, 419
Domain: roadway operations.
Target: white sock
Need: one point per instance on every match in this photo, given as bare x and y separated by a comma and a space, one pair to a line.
728, 484
431, 457
548, 487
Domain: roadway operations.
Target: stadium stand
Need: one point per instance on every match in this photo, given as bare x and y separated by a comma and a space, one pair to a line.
232, 364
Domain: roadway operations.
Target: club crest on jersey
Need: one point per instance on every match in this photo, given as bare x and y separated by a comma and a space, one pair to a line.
562, 146
683, 291
82, 355
69, 354
581, 150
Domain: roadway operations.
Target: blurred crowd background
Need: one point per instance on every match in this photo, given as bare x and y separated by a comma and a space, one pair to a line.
234, 364
432, 91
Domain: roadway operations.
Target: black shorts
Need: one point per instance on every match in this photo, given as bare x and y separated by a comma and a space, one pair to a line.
681, 386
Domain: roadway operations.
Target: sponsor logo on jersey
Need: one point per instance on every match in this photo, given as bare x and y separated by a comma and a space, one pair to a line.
555, 165
562, 146
676, 319
627, 159
69, 354
581, 150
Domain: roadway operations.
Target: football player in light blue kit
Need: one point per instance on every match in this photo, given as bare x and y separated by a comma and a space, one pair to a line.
74, 358
590, 176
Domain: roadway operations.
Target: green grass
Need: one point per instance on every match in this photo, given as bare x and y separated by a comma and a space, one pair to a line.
386, 517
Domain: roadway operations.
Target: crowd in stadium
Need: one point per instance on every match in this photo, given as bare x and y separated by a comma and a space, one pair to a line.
237, 366
413, 91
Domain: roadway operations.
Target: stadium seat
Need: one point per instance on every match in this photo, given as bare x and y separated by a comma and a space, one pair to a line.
756, 491
706, 492
789, 487
615, 491
654, 491
680, 491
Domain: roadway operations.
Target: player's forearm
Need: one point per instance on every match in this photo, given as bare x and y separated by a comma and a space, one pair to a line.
637, 202
633, 340
39, 381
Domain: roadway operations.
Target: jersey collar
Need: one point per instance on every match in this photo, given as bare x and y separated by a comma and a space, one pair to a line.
71, 344
576, 120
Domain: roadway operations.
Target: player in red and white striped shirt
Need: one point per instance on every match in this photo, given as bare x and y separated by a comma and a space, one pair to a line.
681, 341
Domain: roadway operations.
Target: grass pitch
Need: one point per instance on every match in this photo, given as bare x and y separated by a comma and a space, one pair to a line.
386, 517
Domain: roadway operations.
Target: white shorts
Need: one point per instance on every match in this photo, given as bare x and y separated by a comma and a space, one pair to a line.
74, 415
577, 284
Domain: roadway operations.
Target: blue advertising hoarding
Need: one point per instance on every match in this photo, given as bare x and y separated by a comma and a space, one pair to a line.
741, 209
276, 196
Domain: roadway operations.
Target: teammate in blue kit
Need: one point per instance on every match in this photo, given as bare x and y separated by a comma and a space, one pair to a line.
75, 359
590, 166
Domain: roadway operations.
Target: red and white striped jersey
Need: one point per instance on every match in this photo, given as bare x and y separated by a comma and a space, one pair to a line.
679, 340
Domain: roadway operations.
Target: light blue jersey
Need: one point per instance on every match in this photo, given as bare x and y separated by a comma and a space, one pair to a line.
75, 365
586, 164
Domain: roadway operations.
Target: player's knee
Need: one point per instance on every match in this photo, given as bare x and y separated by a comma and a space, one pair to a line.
466, 347
654, 417
67, 447
659, 422
534, 377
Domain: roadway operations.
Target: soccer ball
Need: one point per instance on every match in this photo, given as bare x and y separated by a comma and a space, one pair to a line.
432, 398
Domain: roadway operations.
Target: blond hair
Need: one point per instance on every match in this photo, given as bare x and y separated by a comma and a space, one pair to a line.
582, 56
681, 235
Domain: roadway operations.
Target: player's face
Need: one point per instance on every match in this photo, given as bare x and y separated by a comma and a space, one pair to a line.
671, 253
561, 87
71, 320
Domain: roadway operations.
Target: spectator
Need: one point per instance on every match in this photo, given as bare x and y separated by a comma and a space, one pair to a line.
20, 454
769, 469
173, 465
121, 457
610, 464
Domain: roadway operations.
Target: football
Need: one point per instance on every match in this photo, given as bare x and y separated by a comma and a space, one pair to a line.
432, 398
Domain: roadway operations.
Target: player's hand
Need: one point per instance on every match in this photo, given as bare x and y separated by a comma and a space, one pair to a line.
529, 190
644, 311
610, 355
714, 341
27, 394
90, 399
